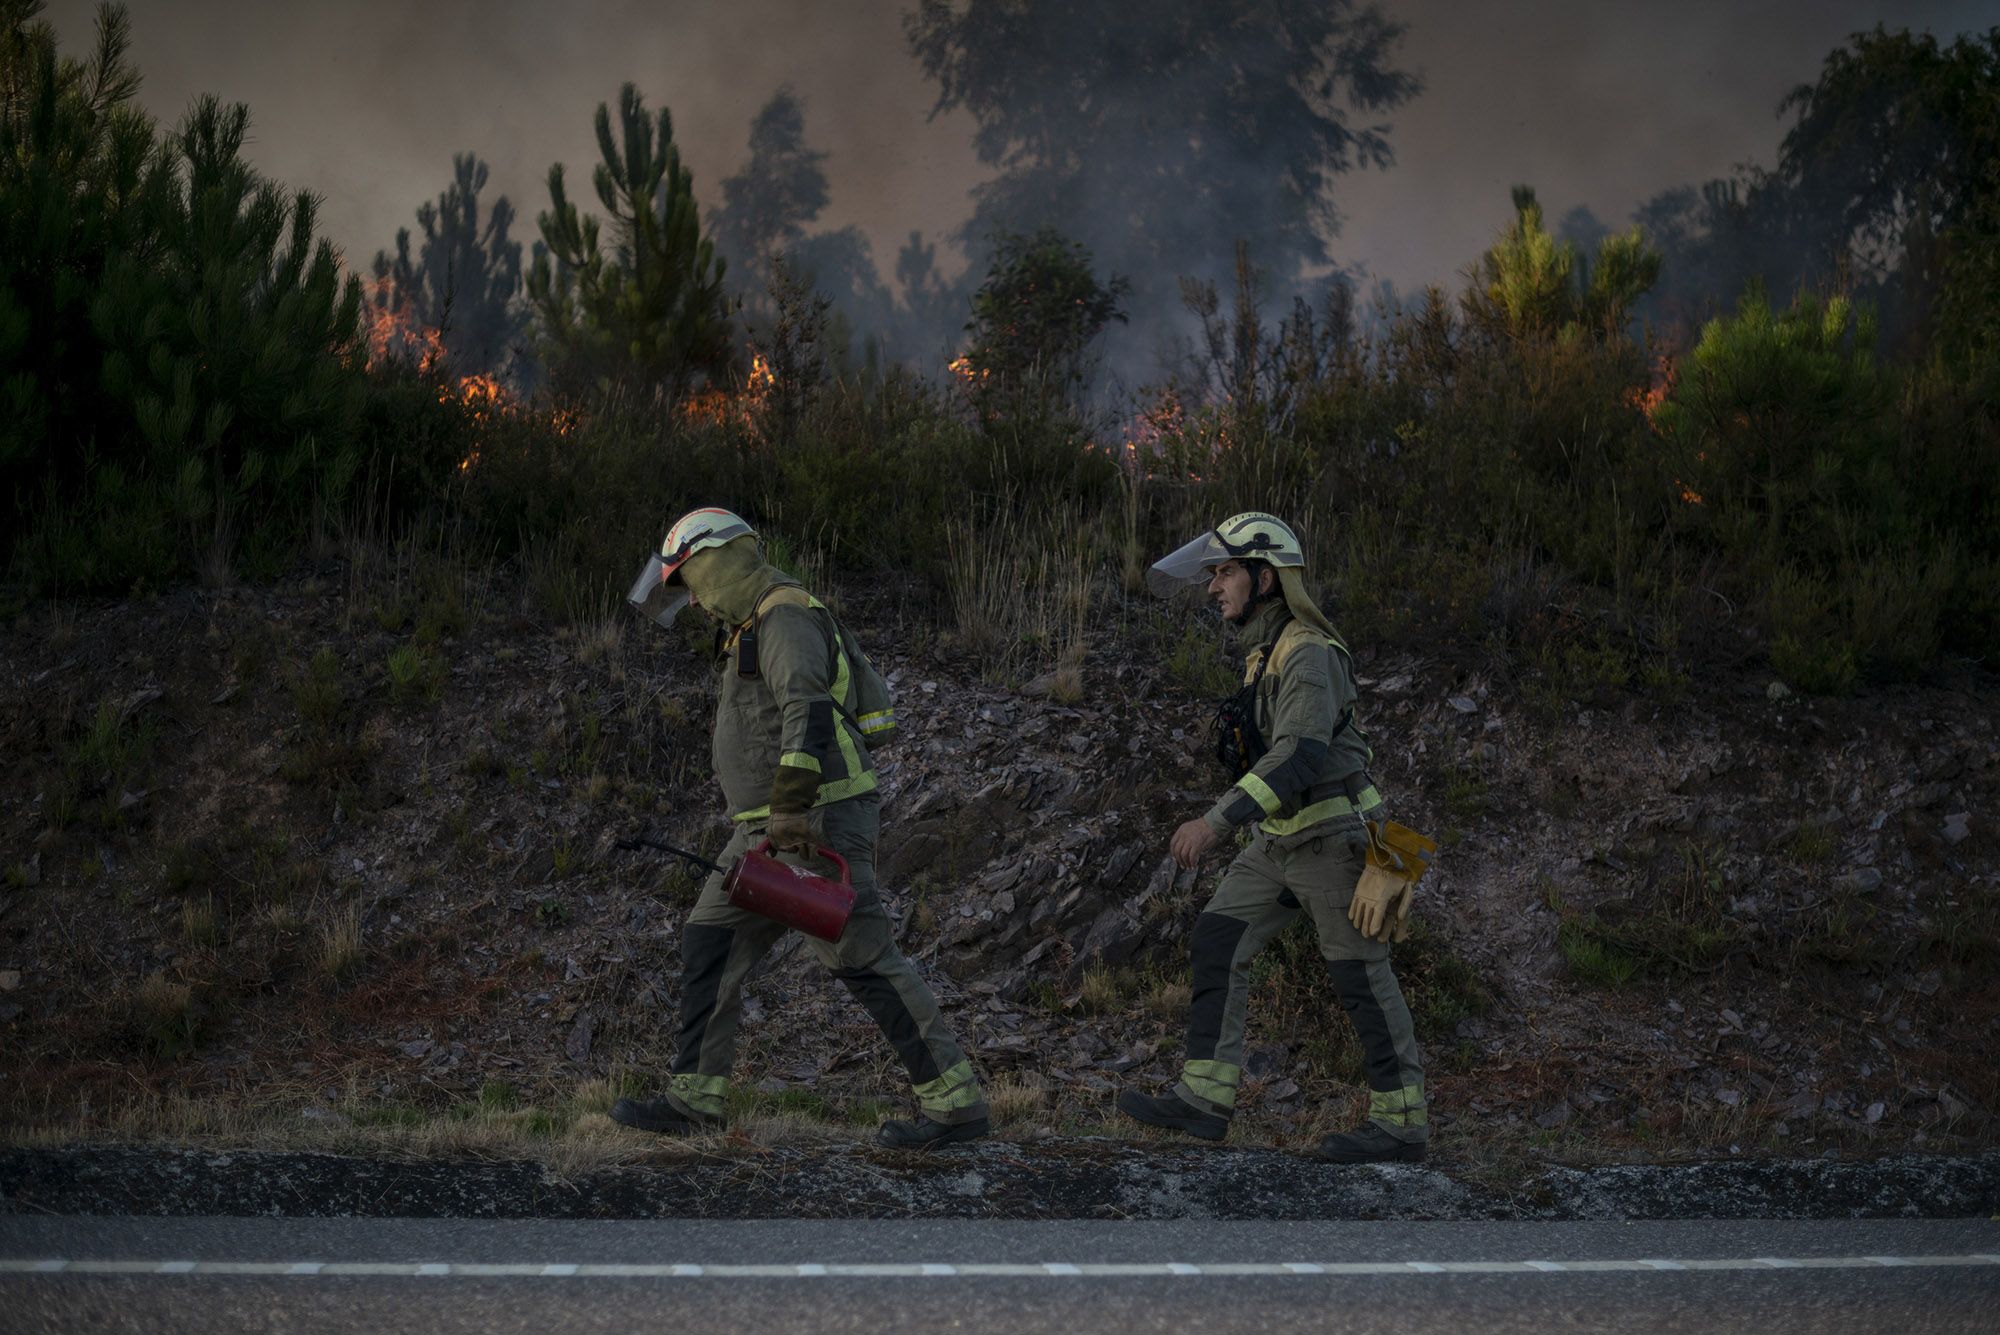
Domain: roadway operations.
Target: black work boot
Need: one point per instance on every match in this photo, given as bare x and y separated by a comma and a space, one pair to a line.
1370, 1143
921, 1133
1173, 1112
659, 1115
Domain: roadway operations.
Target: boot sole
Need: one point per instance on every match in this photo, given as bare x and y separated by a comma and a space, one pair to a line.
954, 1135
1203, 1128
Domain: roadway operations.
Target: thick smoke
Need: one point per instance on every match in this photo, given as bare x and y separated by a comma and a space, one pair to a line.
1596, 106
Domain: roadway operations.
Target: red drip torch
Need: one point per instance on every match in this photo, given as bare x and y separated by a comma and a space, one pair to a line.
758, 883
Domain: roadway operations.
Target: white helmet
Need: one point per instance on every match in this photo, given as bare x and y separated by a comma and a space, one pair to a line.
659, 591
1250, 536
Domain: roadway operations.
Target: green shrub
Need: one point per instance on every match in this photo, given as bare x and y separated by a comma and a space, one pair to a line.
416, 675
1197, 663
318, 691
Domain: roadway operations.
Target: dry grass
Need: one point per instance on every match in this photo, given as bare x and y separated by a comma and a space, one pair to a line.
283, 917
1014, 1099
1066, 685
198, 921
1169, 999
1020, 595
215, 570
340, 947
602, 640
1104, 990
161, 1012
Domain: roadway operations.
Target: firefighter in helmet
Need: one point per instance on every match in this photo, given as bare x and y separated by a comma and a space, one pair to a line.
1291, 738
793, 728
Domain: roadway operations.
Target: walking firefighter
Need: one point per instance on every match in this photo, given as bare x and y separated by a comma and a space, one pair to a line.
1318, 846
800, 708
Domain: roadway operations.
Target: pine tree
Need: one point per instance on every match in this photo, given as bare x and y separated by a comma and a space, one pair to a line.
235, 343
465, 279
767, 206
81, 180
1533, 285
647, 314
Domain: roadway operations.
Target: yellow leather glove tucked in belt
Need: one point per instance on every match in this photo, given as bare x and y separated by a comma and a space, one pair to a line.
1397, 857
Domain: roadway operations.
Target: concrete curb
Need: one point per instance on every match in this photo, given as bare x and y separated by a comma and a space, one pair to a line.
1073, 1180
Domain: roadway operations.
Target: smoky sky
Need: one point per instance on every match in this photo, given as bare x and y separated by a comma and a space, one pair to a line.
1592, 102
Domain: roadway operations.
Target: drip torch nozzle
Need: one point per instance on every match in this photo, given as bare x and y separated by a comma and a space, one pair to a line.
638, 841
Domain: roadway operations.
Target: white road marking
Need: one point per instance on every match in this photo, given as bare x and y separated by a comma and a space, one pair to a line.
964, 1270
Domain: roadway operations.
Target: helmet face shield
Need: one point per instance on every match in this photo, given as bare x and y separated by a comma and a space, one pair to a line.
1186, 565
1252, 535
653, 596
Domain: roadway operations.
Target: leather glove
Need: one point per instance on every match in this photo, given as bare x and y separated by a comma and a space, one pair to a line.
1381, 903
790, 832
1399, 923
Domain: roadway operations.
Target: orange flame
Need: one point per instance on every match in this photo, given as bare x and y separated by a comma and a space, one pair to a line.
968, 374
395, 335
1652, 398
484, 400
724, 407
1153, 426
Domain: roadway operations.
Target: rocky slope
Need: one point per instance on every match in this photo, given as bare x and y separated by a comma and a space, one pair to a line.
345, 844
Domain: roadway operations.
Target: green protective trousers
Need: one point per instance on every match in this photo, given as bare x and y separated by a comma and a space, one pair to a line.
721, 944
1262, 891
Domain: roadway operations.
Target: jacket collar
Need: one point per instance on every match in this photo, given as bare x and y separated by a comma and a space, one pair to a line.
1264, 623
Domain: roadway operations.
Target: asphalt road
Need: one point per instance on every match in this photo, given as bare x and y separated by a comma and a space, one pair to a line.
542, 1276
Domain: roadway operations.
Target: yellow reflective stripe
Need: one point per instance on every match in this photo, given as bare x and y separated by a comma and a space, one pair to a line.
1398, 1107
701, 1095
800, 760
841, 789
841, 675
957, 1088
1213, 1080
1319, 811
850, 752
1261, 791
843, 682
879, 721
837, 791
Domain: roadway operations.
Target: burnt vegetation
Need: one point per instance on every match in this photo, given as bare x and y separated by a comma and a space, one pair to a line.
328, 701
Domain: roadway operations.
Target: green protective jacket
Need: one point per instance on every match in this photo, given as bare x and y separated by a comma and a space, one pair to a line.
785, 737
1315, 773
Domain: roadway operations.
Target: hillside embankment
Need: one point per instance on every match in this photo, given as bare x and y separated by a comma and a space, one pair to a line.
328, 864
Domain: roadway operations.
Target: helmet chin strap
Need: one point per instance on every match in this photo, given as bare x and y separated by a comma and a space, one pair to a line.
1257, 597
